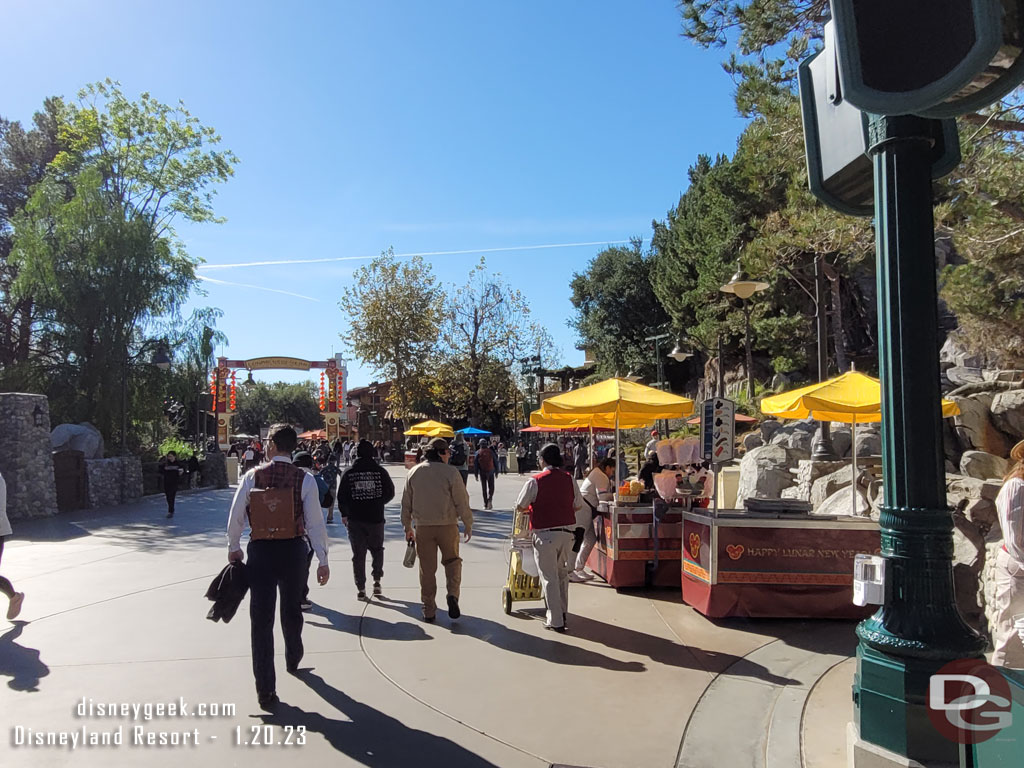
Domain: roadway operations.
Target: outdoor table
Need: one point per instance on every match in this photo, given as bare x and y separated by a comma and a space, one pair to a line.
634, 548
777, 565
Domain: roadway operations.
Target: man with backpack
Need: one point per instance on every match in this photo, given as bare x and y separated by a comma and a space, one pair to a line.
327, 481
485, 462
459, 457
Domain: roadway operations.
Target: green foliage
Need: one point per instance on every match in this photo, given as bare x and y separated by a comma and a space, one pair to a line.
94, 267
261, 404
182, 449
394, 312
616, 309
978, 209
486, 328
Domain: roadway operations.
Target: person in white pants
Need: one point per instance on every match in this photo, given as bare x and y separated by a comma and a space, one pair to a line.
1008, 638
597, 487
556, 509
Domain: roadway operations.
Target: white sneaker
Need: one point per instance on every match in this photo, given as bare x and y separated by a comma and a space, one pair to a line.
576, 577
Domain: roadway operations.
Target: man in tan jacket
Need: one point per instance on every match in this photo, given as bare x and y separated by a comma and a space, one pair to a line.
435, 499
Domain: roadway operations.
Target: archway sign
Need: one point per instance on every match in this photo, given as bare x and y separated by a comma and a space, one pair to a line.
223, 381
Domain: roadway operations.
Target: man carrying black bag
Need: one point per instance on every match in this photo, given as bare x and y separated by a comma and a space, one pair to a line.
282, 506
362, 493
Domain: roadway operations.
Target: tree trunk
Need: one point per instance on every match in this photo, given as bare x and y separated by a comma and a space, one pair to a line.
838, 331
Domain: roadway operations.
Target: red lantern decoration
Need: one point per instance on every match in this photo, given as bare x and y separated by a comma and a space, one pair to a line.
233, 402
322, 392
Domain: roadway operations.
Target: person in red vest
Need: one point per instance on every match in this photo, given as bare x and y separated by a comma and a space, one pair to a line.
553, 501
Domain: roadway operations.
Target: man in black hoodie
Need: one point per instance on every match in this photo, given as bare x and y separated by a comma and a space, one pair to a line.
362, 493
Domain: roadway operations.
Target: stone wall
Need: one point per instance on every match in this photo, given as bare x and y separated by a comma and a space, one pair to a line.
26, 461
113, 481
215, 470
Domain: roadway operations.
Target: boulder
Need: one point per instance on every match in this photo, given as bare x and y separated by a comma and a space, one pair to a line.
968, 543
959, 487
869, 443
960, 375
983, 466
764, 473
974, 427
954, 351
796, 436
982, 512
841, 440
1008, 412
825, 486
768, 428
842, 503
82, 437
752, 440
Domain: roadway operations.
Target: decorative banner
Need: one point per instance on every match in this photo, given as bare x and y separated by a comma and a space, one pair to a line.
814, 556
288, 363
233, 388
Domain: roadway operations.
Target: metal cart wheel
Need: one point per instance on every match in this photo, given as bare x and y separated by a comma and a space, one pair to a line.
506, 599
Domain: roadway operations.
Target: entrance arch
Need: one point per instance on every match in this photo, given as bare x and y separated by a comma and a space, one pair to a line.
333, 383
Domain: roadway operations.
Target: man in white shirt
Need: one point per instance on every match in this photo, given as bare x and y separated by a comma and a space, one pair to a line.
597, 487
15, 598
278, 562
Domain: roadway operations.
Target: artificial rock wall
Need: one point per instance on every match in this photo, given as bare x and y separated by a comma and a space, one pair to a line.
26, 462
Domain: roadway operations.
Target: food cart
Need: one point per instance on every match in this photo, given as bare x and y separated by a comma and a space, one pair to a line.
640, 539
773, 558
768, 562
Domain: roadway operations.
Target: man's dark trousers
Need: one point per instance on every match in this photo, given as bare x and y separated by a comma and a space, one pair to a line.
170, 491
487, 482
272, 565
366, 536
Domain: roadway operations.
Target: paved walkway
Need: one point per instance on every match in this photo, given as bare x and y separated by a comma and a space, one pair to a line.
115, 614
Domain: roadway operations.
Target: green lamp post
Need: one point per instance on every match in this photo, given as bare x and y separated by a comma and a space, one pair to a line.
928, 60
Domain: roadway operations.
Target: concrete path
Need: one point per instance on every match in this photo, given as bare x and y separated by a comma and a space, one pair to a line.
115, 614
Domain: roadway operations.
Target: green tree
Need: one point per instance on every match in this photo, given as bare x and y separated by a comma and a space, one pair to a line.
979, 217
24, 158
95, 251
394, 310
260, 404
617, 308
487, 328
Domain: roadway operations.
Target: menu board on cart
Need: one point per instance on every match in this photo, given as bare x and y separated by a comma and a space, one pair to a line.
718, 429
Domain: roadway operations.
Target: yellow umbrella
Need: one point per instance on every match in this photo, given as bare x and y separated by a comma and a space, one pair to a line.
619, 397
430, 429
600, 421
852, 398
622, 402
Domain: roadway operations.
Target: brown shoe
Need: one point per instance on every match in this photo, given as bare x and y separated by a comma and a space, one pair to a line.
14, 608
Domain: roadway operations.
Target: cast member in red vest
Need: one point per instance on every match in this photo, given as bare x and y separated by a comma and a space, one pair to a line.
553, 501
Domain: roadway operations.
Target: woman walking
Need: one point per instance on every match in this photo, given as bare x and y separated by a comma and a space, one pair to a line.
15, 598
553, 501
1007, 638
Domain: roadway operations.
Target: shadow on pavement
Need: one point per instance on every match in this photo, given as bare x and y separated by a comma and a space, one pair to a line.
514, 641
19, 663
669, 652
367, 626
371, 737
200, 519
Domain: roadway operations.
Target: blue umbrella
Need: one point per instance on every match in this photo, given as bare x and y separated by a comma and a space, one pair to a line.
472, 431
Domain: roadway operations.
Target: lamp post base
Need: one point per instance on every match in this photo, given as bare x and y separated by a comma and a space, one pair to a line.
891, 693
864, 754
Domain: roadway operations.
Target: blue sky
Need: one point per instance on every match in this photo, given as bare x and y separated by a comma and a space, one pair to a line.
426, 127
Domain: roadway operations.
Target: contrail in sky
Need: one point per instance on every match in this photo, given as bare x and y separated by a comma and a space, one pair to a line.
402, 255
256, 288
